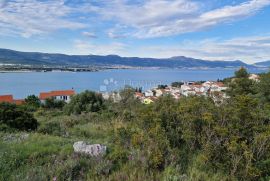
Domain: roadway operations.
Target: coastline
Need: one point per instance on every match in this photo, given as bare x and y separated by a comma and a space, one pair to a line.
97, 69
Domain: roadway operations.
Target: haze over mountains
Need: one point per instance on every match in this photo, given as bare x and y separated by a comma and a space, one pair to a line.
263, 64
35, 58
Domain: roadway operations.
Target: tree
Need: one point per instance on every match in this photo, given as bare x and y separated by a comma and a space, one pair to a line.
231, 144
241, 84
264, 87
128, 103
177, 84
162, 86
138, 89
14, 117
33, 102
241, 73
52, 103
87, 101
127, 95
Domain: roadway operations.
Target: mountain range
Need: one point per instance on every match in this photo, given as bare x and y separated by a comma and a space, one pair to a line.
48, 59
263, 64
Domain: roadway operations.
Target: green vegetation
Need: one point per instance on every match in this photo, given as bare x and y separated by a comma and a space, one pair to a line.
162, 86
85, 102
188, 139
52, 103
32, 103
241, 84
13, 117
177, 84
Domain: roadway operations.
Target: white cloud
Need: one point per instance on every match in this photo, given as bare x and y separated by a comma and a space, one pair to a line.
33, 17
157, 18
148, 13
89, 34
121, 18
84, 47
118, 32
205, 20
248, 49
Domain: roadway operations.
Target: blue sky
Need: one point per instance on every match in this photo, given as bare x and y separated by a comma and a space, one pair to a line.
206, 29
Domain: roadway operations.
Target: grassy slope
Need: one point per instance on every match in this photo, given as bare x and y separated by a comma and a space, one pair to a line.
49, 152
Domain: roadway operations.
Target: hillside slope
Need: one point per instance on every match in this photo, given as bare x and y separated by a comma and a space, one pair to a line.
34, 58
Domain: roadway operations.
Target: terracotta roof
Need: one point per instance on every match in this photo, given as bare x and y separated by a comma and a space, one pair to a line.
46, 95
196, 85
9, 99
220, 84
6, 98
138, 94
19, 101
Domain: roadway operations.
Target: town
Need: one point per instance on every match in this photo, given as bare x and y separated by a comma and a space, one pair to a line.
214, 89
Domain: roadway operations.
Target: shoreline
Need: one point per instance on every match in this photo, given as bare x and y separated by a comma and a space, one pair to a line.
83, 70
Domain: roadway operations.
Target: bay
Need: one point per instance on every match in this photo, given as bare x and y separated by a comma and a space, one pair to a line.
20, 85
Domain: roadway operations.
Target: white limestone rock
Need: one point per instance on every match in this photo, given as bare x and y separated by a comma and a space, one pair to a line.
92, 150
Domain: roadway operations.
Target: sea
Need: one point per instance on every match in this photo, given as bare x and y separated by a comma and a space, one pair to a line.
22, 84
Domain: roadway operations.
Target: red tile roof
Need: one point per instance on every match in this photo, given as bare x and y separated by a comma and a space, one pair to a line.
197, 86
6, 98
9, 99
138, 94
19, 101
46, 95
220, 84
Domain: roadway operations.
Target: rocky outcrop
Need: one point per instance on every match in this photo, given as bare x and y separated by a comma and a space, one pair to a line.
92, 150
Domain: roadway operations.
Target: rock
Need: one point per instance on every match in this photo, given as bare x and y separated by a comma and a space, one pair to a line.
92, 150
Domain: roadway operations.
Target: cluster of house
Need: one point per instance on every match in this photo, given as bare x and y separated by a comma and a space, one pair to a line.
151, 95
213, 89
204, 89
209, 88
63, 95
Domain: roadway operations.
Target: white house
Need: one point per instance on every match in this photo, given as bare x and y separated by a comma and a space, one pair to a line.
187, 90
63, 95
218, 86
148, 93
159, 92
254, 77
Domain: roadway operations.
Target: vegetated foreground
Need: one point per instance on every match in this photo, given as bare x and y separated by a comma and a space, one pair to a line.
193, 138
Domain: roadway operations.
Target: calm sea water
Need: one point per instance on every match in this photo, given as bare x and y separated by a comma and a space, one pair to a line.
24, 84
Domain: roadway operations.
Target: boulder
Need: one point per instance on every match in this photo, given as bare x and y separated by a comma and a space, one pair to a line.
92, 150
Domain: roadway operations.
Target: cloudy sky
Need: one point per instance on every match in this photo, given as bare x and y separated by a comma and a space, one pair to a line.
207, 29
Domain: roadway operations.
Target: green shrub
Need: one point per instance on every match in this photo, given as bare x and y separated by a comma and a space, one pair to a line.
85, 102
52, 128
14, 117
52, 103
32, 103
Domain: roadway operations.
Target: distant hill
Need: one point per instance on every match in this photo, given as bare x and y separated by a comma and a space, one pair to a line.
263, 64
34, 58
